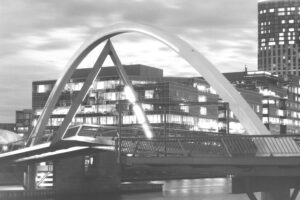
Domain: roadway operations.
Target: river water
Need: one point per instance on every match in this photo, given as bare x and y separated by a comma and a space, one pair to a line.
188, 189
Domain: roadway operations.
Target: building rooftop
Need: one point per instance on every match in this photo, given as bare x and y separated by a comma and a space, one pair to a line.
111, 71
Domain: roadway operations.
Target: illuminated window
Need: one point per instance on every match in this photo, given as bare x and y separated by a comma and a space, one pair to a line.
236, 128
130, 119
108, 108
265, 120
272, 43
88, 120
107, 120
187, 120
202, 98
177, 119
291, 29
111, 96
203, 110
231, 115
79, 119
88, 163
94, 120
111, 84
265, 110
280, 113
200, 87
291, 21
271, 10
43, 88
207, 125
265, 101
185, 108
257, 108
149, 94
147, 107
154, 119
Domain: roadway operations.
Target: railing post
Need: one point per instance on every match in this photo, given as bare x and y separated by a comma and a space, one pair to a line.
226, 148
295, 193
251, 196
136, 148
182, 148
118, 149
165, 130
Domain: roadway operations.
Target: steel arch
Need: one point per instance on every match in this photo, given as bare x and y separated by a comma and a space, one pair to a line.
244, 113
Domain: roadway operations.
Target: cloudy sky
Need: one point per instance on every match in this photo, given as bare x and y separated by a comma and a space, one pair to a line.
37, 38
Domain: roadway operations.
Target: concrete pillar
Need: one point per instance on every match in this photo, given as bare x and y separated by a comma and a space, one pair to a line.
73, 176
30, 177
282, 194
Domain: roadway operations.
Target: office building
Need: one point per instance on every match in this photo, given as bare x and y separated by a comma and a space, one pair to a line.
280, 98
23, 122
278, 36
173, 104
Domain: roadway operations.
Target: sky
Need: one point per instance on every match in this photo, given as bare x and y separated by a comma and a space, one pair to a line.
38, 37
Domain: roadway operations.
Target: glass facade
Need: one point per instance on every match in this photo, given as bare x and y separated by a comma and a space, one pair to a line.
169, 102
278, 36
175, 104
280, 95
23, 122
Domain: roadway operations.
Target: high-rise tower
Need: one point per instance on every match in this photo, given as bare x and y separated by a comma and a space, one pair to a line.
278, 36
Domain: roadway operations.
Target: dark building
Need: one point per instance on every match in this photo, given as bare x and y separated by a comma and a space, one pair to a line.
278, 36
23, 122
8, 126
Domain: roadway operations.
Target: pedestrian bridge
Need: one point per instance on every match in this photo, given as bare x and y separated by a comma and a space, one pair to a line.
247, 156
203, 149
256, 155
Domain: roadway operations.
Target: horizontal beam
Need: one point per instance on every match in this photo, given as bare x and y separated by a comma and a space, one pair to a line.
216, 160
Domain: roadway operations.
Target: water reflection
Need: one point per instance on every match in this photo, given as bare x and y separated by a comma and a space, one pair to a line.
191, 189
188, 189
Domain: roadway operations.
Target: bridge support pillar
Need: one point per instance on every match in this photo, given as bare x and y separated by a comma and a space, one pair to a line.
276, 194
271, 188
87, 173
29, 179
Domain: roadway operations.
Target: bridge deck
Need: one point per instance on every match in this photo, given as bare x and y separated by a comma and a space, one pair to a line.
228, 150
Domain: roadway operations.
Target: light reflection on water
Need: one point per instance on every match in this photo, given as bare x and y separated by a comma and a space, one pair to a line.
188, 189
191, 189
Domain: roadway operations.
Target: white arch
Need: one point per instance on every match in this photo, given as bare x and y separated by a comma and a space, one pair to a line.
223, 87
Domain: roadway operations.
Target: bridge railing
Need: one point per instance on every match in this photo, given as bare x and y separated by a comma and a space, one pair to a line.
228, 146
12, 146
20, 144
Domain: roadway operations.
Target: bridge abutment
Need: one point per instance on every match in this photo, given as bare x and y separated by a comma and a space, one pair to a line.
271, 188
91, 173
87, 172
281, 194
29, 177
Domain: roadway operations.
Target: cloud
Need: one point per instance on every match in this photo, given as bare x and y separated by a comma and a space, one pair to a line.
39, 36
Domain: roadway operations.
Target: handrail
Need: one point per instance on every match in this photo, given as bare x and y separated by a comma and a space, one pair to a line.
225, 146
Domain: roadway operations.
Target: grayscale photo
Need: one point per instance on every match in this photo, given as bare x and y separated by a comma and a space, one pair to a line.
149, 100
